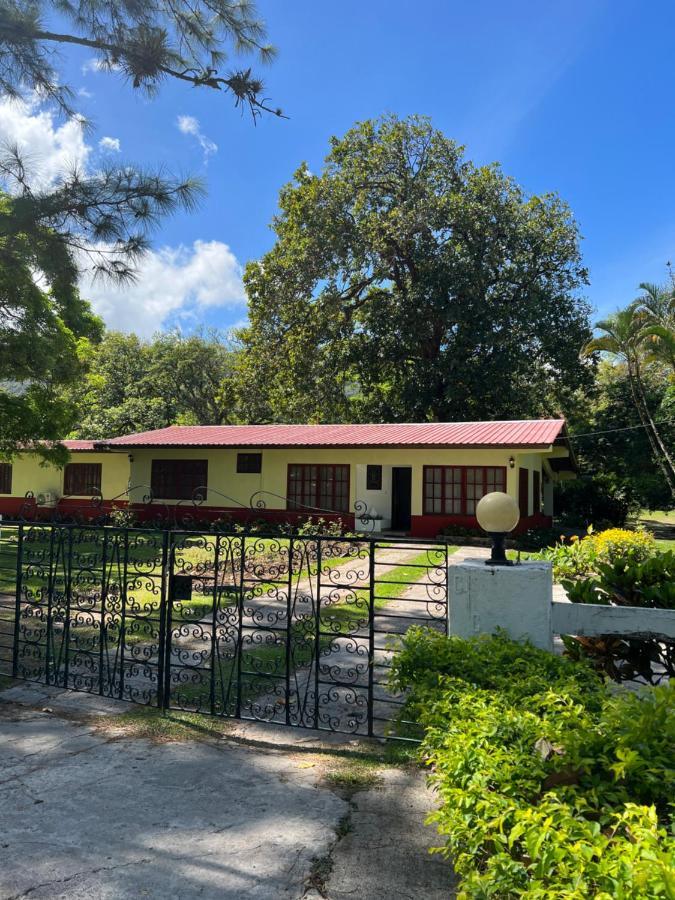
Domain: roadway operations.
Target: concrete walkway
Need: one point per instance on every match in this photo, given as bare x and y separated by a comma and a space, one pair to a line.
88, 812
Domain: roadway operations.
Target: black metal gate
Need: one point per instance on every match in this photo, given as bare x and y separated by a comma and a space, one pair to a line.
295, 629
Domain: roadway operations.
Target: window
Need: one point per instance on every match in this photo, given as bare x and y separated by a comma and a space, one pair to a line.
249, 463
321, 486
82, 479
456, 490
374, 478
5, 478
178, 479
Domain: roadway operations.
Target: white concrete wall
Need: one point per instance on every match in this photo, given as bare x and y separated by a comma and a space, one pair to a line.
519, 600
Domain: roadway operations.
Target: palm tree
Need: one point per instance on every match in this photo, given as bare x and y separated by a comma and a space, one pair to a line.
623, 336
656, 310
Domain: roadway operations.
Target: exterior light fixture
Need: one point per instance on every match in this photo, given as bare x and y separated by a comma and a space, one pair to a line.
498, 514
512, 463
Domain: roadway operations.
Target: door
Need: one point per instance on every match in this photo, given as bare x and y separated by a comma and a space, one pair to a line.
524, 492
401, 487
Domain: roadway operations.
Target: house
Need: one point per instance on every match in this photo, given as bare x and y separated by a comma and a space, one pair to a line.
416, 478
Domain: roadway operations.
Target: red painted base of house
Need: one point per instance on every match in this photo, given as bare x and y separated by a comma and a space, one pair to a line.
187, 514
432, 526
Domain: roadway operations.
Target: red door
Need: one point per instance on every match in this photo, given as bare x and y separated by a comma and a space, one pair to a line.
524, 492
536, 493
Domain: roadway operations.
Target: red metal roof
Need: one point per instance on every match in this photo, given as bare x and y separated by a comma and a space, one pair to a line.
535, 433
79, 445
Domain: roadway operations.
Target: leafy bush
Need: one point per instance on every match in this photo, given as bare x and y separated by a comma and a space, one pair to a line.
576, 558
461, 531
537, 538
549, 787
628, 581
122, 517
330, 528
599, 499
616, 543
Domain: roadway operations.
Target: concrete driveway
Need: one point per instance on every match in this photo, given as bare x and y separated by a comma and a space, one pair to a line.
87, 812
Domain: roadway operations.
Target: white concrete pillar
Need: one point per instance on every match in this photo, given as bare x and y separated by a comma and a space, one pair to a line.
517, 599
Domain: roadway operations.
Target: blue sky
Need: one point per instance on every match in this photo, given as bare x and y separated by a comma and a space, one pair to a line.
573, 97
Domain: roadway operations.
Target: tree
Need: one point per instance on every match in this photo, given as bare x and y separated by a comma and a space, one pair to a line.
145, 42
623, 338
612, 446
101, 220
408, 284
133, 385
42, 330
655, 309
199, 372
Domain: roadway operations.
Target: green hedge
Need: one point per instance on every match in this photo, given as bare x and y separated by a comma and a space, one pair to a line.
549, 786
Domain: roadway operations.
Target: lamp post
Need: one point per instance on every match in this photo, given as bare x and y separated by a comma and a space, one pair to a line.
498, 514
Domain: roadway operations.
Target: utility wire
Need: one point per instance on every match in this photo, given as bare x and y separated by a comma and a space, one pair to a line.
573, 437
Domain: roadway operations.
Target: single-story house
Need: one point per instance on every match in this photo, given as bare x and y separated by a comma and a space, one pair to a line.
415, 478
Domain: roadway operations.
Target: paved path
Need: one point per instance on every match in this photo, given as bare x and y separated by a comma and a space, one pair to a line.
87, 814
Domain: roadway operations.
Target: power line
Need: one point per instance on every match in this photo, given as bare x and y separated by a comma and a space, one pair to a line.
573, 437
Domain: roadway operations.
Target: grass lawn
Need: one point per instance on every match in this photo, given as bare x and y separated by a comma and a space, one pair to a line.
659, 516
662, 523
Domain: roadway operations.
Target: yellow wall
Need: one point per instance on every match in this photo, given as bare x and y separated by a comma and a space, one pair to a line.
29, 473
227, 488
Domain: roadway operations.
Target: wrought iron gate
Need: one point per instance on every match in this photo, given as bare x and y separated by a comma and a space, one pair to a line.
296, 630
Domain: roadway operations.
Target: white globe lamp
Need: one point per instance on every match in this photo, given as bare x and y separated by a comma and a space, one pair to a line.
498, 514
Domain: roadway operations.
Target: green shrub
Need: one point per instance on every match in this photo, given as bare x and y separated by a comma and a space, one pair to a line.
548, 786
617, 543
576, 558
627, 581
598, 499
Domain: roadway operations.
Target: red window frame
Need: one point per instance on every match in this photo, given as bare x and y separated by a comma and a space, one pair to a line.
81, 479
5, 478
178, 479
323, 486
455, 490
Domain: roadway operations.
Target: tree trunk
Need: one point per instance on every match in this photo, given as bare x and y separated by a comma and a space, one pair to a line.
661, 455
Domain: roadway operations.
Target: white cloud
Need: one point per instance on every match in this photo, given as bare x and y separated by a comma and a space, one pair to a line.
190, 125
83, 92
49, 149
110, 144
96, 64
172, 282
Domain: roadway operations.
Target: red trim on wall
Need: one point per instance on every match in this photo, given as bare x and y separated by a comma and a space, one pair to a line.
10, 507
431, 526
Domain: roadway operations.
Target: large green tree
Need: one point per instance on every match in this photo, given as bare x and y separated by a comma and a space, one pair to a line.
407, 283
103, 219
133, 385
626, 336
43, 328
612, 444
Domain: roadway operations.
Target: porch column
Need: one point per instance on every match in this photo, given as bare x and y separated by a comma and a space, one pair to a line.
548, 497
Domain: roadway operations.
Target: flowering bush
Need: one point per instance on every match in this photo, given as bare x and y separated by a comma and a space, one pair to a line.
616, 543
579, 558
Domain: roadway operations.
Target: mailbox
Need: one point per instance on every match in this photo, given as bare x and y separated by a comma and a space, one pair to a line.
181, 587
